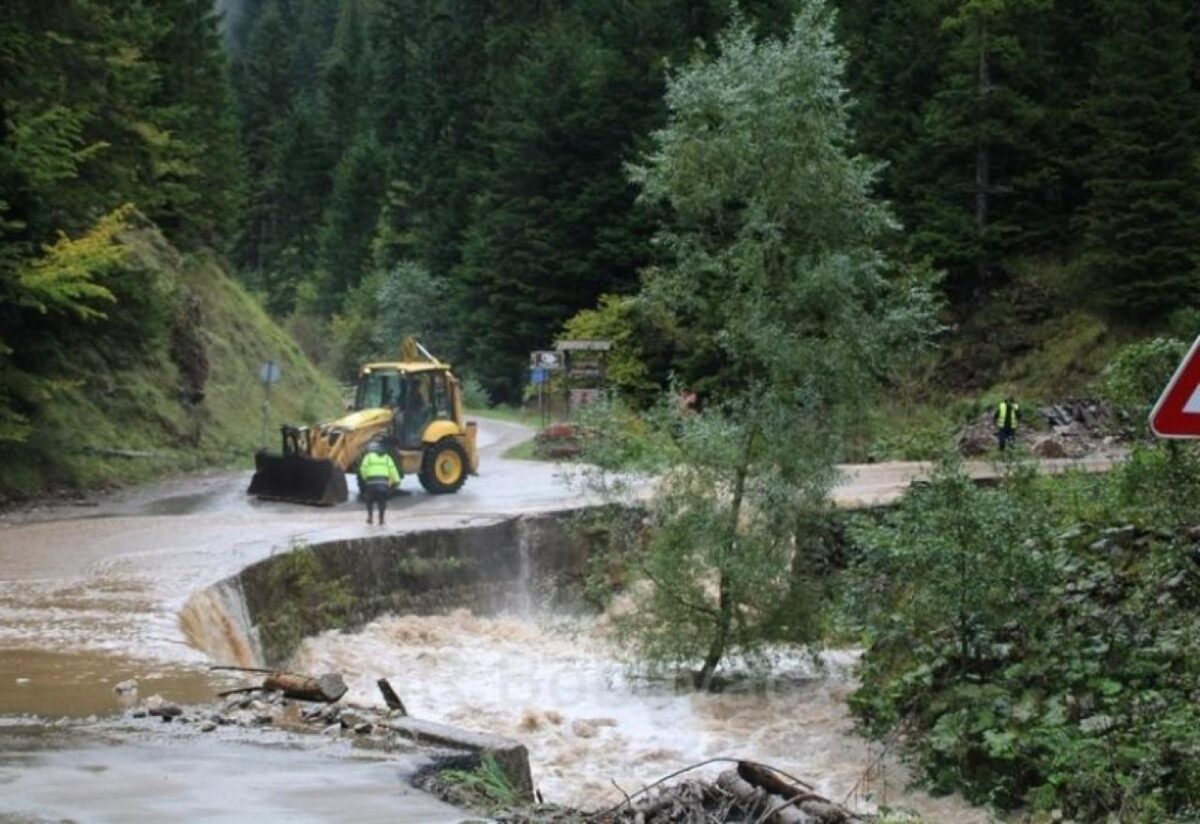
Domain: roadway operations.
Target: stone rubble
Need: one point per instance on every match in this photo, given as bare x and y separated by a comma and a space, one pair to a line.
1071, 429
272, 709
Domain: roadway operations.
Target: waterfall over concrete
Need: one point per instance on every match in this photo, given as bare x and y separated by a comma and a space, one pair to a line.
215, 621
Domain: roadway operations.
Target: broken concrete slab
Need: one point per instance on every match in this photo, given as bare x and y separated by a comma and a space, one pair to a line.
511, 756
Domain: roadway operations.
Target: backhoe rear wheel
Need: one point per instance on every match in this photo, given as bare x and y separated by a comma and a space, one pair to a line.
443, 467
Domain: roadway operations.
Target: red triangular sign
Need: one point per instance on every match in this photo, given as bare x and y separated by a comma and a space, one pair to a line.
1177, 413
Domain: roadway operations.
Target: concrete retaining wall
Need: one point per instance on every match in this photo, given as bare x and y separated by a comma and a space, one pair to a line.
259, 616
506, 563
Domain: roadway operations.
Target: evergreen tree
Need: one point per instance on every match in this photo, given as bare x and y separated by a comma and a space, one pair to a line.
975, 141
894, 53
347, 71
266, 93
197, 175
438, 51
1143, 215
304, 157
553, 226
351, 217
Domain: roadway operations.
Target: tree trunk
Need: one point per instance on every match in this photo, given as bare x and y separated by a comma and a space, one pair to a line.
327, 688
716, 650
982, 155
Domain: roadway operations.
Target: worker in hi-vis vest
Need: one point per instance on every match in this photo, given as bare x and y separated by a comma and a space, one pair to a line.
1008, 413
379, 476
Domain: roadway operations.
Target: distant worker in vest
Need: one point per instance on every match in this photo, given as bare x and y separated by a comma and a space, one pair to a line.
1008, 413
379, 476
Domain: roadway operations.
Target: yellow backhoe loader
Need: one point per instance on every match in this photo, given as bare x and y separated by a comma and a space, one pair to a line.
414, 403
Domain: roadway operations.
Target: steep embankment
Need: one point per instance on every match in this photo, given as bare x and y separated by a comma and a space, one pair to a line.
168, 384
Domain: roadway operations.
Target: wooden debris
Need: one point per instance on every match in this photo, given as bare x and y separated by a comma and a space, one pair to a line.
763, 776
326, 689
752, 793
390, 697
787, 802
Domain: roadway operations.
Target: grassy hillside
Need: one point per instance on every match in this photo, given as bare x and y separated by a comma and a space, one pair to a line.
134, 409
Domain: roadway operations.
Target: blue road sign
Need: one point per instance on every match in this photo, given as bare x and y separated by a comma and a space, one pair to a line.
270, 372
539, 376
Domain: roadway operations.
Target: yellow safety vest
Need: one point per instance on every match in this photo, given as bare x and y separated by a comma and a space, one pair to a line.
375, 466
1007, 418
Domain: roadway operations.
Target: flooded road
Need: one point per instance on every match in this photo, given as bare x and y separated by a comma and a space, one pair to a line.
91, 594
73, 773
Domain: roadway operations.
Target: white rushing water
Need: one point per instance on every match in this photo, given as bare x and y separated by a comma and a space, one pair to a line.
558, 686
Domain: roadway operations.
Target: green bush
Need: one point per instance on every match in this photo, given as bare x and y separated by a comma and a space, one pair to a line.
1064, 671
1159, 486
1135, 378
474, 395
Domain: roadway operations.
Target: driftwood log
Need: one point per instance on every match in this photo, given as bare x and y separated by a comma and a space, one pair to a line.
752, 792
775, 800
390, 697
326, 689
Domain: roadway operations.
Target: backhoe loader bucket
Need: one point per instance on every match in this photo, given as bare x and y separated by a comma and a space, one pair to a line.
298, 479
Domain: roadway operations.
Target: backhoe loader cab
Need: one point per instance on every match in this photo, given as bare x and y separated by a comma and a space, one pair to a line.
415, 403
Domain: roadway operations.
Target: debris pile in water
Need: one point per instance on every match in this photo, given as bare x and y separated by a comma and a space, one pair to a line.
752, 793
271, 708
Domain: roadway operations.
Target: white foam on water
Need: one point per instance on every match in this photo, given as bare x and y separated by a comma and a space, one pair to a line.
559, 686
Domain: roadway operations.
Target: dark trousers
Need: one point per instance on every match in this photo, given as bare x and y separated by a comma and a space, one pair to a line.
1007, 437
376, 494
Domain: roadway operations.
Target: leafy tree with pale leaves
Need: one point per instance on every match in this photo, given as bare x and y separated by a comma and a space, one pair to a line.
770, 241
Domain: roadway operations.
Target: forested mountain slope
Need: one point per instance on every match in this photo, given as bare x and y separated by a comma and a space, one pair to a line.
459, 169
169, 383
474, 154
120, 357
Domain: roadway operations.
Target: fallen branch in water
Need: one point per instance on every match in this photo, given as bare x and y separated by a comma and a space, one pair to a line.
326, 689
390, 697
751, 792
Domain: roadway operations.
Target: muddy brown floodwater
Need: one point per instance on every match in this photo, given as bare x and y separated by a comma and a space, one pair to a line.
91, 594
559, 685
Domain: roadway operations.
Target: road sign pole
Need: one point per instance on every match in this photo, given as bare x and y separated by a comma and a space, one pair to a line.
270, 373
266, 414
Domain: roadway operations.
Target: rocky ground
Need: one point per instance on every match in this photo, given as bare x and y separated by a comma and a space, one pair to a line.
1072, 429
267, 708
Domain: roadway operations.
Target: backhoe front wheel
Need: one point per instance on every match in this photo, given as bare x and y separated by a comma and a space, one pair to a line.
443, 467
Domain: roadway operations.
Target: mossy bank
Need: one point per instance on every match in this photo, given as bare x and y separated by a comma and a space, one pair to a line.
167, 382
